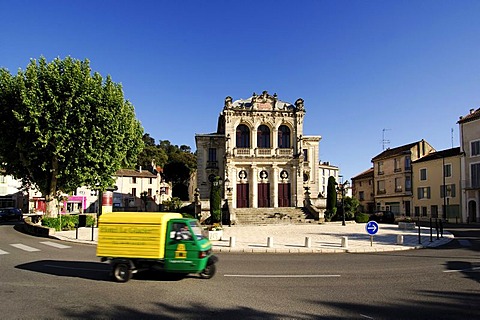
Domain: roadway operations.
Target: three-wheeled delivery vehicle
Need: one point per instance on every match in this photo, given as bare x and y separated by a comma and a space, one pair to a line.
164, 241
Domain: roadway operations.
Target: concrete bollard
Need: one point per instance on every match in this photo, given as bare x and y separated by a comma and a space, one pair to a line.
269, 242
344, 242
232, 242
308, 242
399, 239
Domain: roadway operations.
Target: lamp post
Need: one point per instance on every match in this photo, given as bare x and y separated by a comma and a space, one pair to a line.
341, 188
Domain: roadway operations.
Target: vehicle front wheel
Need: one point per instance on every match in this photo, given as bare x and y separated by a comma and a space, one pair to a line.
208, 272
122, 272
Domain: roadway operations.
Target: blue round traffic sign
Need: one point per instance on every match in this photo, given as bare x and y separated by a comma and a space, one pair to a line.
372, 227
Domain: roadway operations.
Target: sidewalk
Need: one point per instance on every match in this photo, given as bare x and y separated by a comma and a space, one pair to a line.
305, 238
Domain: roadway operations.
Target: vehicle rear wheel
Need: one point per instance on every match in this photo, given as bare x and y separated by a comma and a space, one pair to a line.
208, 272
122, 272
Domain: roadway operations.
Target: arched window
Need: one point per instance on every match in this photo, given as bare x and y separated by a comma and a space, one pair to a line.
243, 136
263, 137
283, 137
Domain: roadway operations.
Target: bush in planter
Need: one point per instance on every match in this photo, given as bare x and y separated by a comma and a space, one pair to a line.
362, 217
68, 222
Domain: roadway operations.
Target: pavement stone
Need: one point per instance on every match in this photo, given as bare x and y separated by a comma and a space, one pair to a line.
303, 238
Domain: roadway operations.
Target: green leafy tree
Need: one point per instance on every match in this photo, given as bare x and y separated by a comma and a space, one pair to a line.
351, 205
331, 198
150, 153
215, 201
62, 126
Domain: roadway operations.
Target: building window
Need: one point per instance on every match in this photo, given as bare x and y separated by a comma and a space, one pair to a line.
283, 137
398, 184
263, 137
243, 136
361, 195
396, 163
381, 187
475, 148
149, 192
380, 167
424, 211
134, 192
305, 154
475, 175
449, 189
423, 193
423, 174
150, 181
408, 163
417, 211
134, 180
408, 183
447, 170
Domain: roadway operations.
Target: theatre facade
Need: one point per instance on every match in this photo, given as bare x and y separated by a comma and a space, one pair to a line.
260, 153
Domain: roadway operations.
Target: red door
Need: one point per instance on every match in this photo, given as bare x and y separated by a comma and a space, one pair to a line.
264, 195
242, 196
284, 195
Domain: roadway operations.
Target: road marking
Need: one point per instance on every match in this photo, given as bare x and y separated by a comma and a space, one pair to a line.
462, 270
282, 275
24, 247
56, 245
3, 252
364, 316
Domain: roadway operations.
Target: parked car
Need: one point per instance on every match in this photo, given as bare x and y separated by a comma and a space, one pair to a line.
11, 214
382, 217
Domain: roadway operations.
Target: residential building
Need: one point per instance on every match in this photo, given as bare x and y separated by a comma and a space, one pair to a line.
132, 184
11, 193
436, 180
362, 189
325, 171
469, 127
393, 176
261, 154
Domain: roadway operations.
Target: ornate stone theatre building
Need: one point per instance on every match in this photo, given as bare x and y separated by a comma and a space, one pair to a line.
260, 153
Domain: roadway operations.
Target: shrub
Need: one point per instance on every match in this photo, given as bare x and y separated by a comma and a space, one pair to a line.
362, 217
68, 222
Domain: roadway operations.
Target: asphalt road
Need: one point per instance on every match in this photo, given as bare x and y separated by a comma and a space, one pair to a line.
44, 278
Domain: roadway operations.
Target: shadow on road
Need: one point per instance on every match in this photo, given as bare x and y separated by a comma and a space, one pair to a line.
75, 269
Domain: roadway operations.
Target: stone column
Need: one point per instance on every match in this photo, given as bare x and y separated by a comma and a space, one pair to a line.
275, 186
254, 190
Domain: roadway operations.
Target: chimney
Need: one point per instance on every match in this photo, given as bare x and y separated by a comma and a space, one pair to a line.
472, 111
140, 169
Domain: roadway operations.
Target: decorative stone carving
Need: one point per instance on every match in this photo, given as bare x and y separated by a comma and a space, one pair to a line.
228, 102
299, 104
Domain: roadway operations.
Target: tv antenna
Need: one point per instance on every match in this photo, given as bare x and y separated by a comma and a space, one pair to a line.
384, 141
452, 137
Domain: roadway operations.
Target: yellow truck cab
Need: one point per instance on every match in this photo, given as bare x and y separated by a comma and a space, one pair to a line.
135, 241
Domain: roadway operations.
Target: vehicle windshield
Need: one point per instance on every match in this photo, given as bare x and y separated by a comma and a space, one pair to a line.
197, 230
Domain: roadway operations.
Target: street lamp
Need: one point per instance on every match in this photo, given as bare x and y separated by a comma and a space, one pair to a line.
342, 187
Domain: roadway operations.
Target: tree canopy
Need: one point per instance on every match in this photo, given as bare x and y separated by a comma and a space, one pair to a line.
62, 127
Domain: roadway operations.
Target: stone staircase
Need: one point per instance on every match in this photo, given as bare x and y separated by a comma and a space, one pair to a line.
261, 216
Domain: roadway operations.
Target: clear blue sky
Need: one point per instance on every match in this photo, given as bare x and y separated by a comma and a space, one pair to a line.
412, 67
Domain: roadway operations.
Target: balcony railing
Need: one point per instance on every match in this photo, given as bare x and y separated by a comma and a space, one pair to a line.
263, 152
469, 184
212, 164
242, 152
381, 191
284, 152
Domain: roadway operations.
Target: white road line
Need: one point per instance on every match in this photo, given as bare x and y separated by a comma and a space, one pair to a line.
3, 252
364, 316
56, 245
282, 275
463, 270
24, 247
